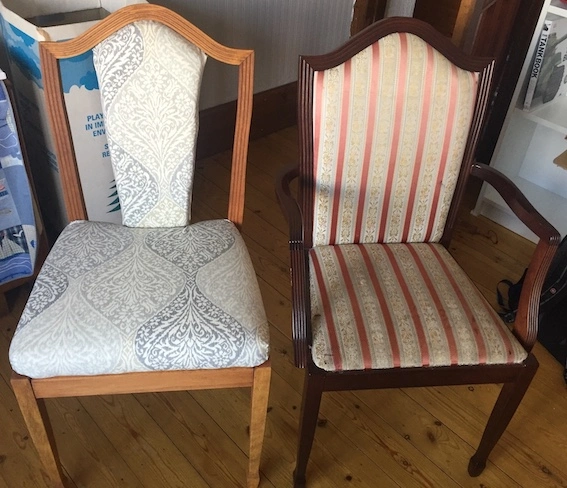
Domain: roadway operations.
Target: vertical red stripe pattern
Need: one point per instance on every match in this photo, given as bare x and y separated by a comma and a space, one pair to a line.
358, 315
432, 292
427, 95
481, 347
400, 99
331, 337
413, 308
488, 311
370, 122
318, 81
449, 128
342, 142
389, 323
377, 306
397, 116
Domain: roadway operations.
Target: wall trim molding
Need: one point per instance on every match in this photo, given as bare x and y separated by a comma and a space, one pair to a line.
272, 110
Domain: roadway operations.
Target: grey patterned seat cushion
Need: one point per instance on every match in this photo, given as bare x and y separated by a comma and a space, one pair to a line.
112, 299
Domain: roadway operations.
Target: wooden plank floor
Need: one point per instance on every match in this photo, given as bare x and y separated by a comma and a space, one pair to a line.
390, 438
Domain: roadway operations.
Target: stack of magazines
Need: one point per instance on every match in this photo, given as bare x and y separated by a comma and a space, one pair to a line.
548, 76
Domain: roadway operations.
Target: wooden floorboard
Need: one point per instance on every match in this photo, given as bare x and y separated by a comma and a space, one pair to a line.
419, 437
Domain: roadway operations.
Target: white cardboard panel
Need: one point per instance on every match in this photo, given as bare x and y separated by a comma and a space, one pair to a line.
31, 8
83, 103
538, 166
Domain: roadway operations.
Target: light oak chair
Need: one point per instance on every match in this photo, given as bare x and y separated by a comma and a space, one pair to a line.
388, 126
156, 304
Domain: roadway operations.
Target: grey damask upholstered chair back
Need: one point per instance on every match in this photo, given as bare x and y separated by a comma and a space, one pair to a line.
159, 303
151, 137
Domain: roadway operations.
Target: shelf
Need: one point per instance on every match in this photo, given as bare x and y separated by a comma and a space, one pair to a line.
527, 146
552, 114
557, 7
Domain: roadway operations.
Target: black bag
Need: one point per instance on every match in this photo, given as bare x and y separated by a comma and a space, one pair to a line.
552, 332
509, 305
553, 292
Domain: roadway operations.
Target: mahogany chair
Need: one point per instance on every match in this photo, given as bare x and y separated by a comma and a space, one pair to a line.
388, 125
156, 304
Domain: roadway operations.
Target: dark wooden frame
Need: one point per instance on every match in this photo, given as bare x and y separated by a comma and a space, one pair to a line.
507, 75
299, 213
30, 393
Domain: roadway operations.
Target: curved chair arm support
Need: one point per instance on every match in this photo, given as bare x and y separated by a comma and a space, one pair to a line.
289, 204
299, 267
526, 324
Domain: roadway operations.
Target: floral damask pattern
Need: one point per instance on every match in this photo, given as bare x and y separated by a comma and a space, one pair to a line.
150, 79
148, 299
49, 285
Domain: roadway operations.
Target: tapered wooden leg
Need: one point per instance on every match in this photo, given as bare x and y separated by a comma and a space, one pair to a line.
312, 393
37, 422
260, 393
510, 397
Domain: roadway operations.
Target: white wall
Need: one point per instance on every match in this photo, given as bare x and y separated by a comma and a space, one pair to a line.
277, 30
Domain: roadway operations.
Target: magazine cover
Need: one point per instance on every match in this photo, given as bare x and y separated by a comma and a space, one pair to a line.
548, 77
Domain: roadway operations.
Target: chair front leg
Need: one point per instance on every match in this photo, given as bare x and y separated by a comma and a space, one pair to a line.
310, 403
510, 397
259, 410
37, 422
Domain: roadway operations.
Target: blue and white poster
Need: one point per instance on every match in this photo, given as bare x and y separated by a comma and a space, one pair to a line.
82, 98
18, 236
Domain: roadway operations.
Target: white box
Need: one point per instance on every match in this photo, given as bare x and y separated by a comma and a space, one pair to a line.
23, 26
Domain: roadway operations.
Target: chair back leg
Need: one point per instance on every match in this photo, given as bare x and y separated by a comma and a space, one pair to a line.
312, 393
504, 409
36, 419
260, 393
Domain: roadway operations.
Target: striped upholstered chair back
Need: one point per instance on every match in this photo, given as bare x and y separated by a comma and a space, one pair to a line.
389, 127
388, 124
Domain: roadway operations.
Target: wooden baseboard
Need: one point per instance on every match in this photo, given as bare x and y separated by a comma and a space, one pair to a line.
273, 110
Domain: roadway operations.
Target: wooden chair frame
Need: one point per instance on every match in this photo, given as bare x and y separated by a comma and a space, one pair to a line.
31, 392
299, 214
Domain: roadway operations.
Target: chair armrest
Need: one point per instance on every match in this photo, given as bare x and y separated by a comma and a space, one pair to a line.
299, 266
516, 200
527, 320
288, 203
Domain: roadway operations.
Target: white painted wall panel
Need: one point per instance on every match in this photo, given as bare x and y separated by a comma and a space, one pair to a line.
277, 30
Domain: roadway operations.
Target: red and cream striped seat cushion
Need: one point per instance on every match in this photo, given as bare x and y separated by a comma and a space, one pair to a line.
377, 306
